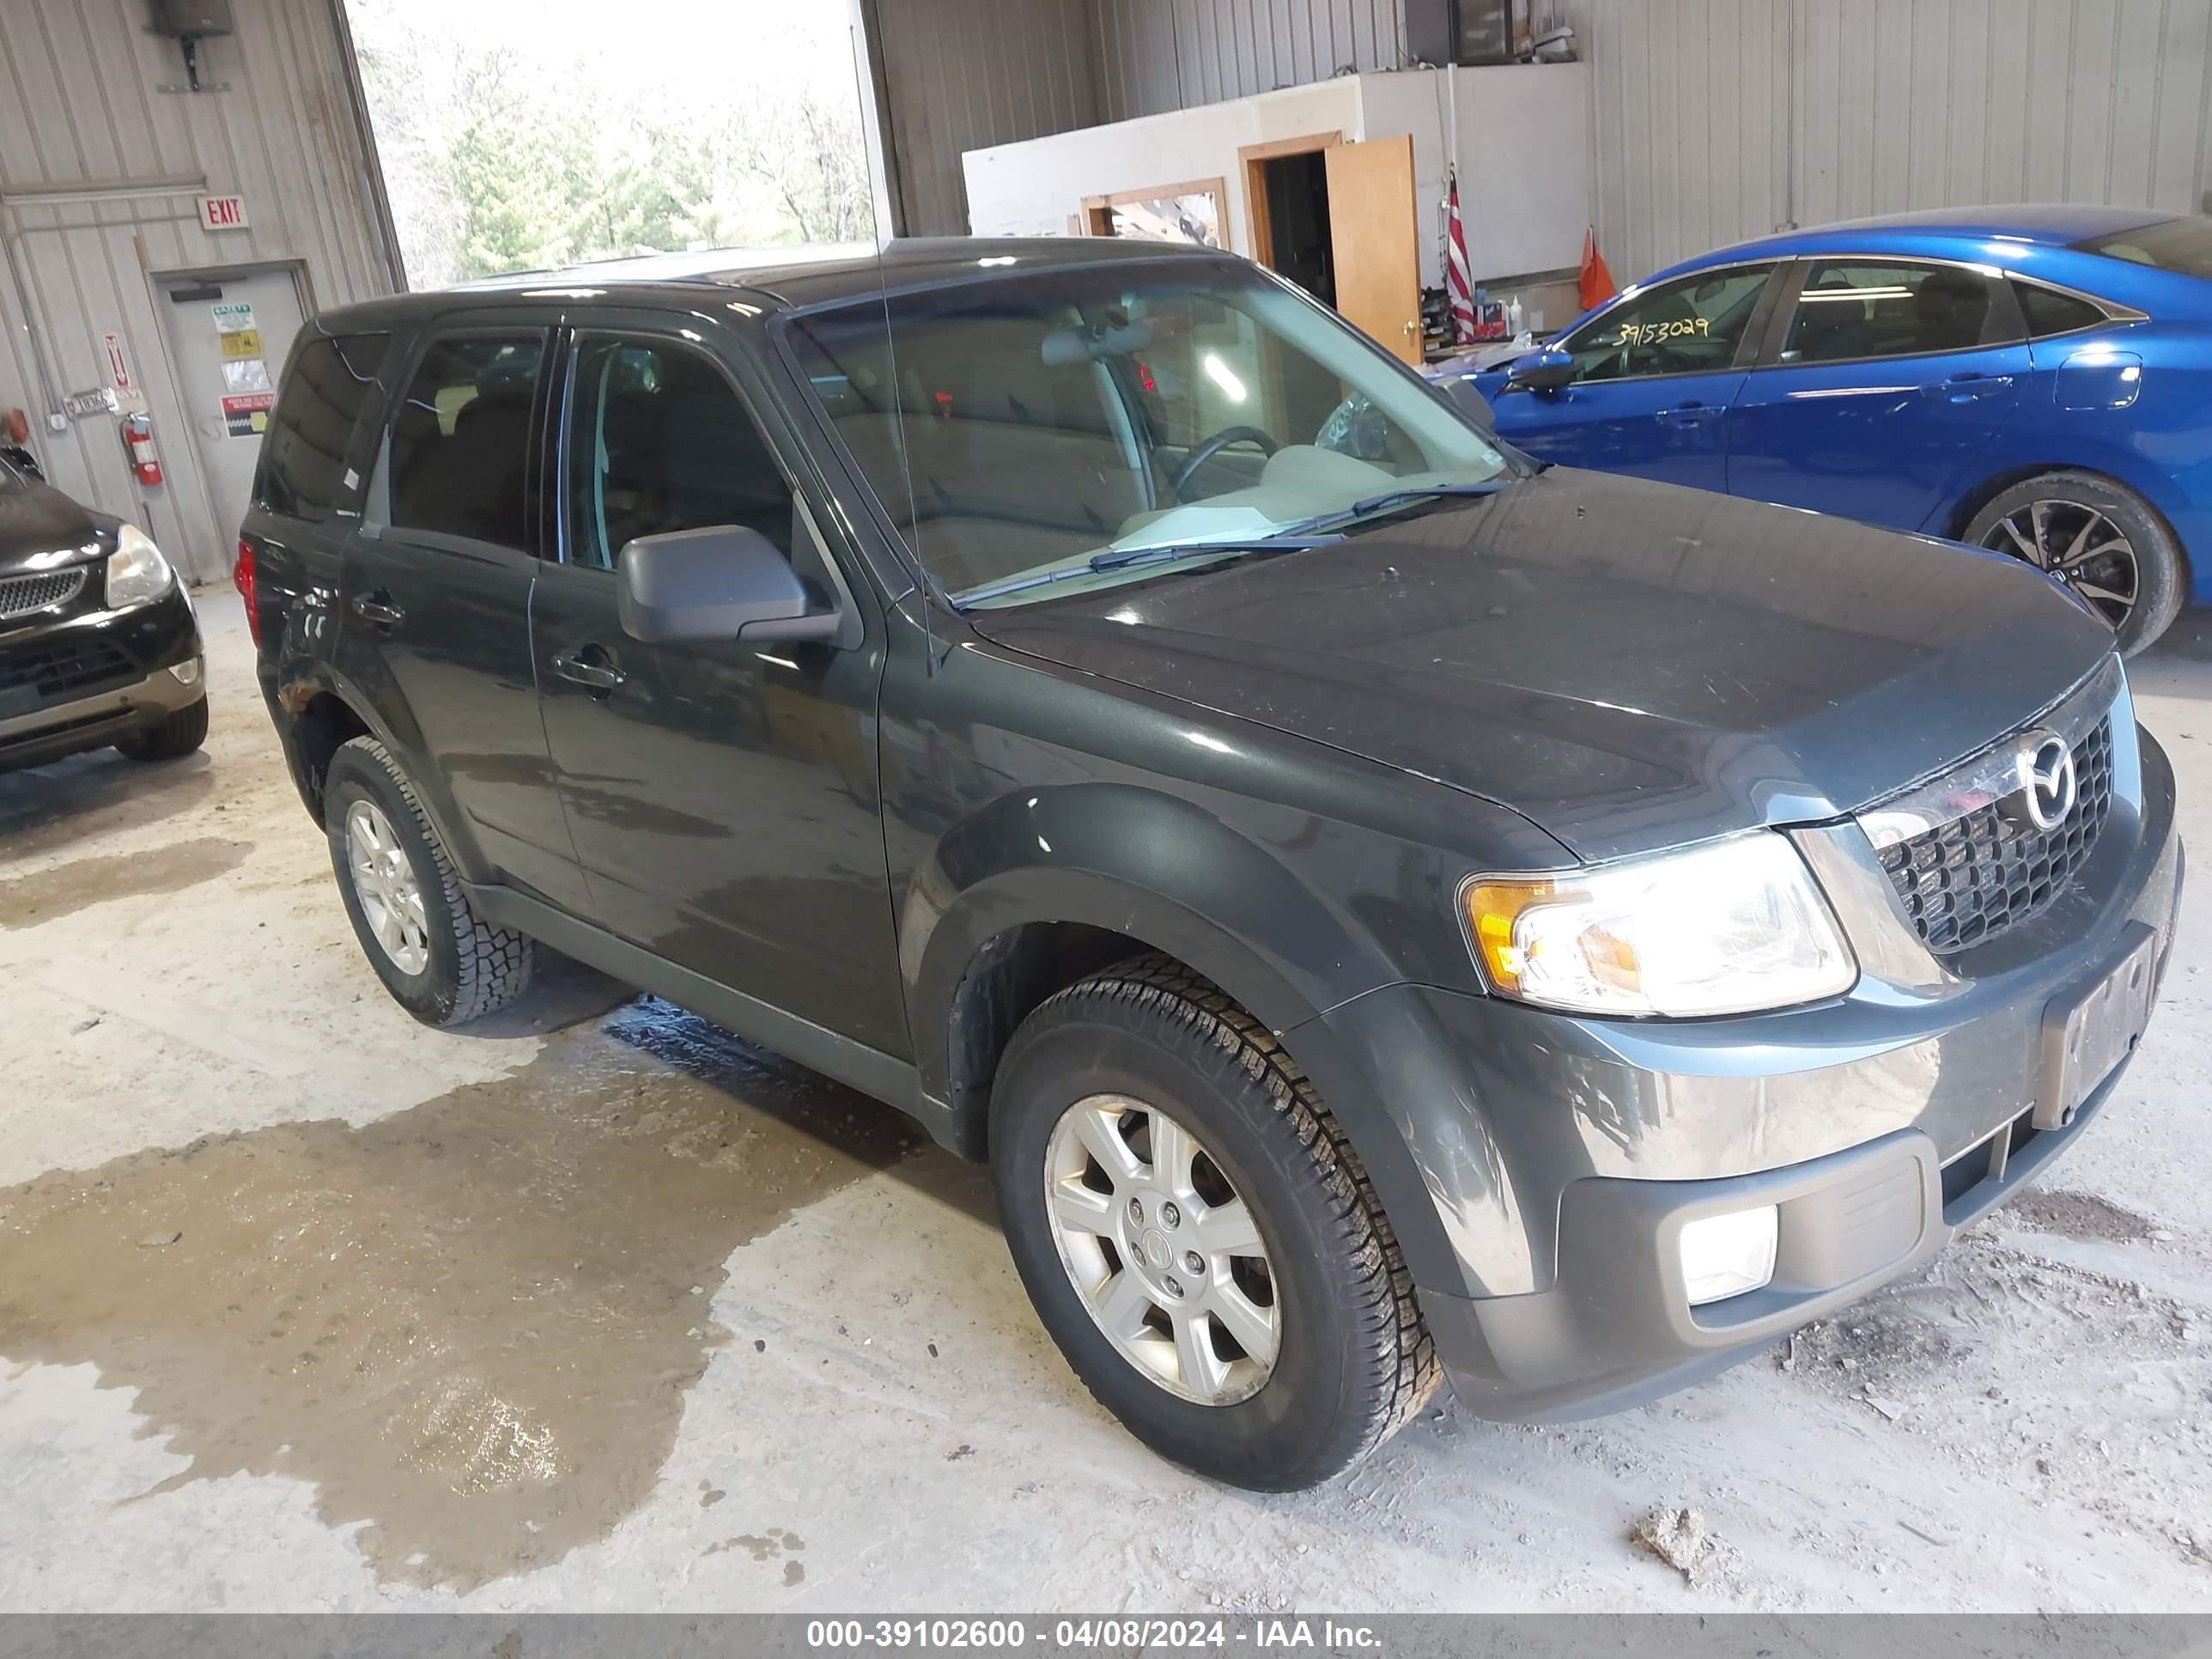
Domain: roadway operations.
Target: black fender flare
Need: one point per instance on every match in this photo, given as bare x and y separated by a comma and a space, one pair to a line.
1160, 870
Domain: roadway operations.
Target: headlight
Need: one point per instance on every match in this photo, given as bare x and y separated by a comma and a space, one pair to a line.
136, 572
1726, 928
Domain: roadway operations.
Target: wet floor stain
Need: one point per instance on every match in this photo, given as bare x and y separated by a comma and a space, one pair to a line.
27, 900
766, 1546
47, 808
471, 1324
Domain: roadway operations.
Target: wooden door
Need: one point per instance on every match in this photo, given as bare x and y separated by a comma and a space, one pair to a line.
1375, 233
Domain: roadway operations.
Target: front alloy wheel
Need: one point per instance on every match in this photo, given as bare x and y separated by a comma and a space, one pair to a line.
1197, 1233
1164, 1253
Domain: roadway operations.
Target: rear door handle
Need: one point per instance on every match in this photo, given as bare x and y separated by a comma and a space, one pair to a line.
1968, 388
590, 666
377, 609
1693, 413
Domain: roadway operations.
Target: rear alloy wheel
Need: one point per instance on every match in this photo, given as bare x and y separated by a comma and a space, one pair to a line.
1198, 1234
442, 963
390, 897
2101, 539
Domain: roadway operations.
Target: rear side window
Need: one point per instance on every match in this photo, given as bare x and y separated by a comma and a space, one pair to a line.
2048, 312
1853, 308
460, 437
310, 461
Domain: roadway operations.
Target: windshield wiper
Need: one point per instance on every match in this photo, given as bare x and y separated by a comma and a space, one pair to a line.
1390, 498
1293, 539
1290, 539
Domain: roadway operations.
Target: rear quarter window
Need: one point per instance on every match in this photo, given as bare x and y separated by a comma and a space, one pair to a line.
310, 460
2048, 312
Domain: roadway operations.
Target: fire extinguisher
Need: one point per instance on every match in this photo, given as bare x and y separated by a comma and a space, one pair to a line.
138, 444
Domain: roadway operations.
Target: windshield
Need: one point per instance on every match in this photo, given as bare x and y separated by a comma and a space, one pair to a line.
1039, 424
2177, 245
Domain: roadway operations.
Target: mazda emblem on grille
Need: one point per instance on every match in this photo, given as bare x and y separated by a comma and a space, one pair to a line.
2048, 784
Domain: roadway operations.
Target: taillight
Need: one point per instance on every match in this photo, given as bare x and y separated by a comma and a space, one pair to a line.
242, 577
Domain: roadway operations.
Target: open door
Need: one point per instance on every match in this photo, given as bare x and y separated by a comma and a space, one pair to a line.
1375, 236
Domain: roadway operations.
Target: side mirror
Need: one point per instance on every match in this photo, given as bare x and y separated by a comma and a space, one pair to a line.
1541, 371
1468, 402
718, 584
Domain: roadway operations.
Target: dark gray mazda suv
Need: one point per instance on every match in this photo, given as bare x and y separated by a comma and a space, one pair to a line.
1384, 909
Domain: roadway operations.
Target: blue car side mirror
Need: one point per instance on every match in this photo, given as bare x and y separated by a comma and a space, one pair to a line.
1540, 371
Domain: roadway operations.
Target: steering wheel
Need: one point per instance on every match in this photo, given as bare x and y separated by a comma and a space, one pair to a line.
1213, 445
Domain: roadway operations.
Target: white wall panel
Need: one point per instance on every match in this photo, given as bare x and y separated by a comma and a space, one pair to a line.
1720, 119
79, 105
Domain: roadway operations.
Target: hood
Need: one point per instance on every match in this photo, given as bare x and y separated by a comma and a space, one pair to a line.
40, 528
1629, 664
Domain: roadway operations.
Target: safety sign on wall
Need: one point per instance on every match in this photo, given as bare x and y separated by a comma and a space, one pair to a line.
246, 415
248, 392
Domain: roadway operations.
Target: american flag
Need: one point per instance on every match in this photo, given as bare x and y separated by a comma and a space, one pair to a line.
1458, 281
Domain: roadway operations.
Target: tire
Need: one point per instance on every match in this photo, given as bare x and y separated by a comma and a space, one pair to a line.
1353, 1361
468, 968
2066, 501
171, 737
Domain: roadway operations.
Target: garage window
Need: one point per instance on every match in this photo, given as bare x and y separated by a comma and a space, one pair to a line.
310, 461
460, 438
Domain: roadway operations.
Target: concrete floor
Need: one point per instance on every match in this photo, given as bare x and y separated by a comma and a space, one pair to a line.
303, 1306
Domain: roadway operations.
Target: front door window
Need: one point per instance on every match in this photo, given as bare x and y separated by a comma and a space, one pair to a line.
1687, 326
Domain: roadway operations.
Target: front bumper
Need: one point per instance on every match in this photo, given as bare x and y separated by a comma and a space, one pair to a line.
81, 683
1563, 1156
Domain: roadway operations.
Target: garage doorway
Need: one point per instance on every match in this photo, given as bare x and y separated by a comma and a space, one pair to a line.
227, 332
1339, 220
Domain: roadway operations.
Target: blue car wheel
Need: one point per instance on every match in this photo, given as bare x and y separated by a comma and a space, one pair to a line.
2101, 538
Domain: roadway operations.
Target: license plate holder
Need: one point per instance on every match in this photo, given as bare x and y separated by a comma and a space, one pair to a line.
2090, 1028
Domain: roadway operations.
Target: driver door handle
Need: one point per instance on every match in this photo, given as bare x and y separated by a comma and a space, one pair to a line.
1690, 413
590, 666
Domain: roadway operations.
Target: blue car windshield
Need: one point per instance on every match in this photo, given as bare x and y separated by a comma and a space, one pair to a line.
1026, 429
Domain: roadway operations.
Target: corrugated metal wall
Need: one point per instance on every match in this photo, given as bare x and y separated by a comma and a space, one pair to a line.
1718, 120
79, 107
960, 74
1156, 55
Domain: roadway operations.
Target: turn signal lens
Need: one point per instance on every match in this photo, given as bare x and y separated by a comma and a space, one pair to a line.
1729, 927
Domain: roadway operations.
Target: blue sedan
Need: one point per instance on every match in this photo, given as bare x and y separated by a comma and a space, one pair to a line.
2033, 380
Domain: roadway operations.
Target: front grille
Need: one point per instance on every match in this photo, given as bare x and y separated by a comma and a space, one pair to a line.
21, 595
58, 668
1967, 881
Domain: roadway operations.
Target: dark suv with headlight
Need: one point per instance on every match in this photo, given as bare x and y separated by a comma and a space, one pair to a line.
98, 642
1382, 907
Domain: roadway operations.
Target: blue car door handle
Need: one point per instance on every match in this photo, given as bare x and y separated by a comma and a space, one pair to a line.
1967, 387
1690, 413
